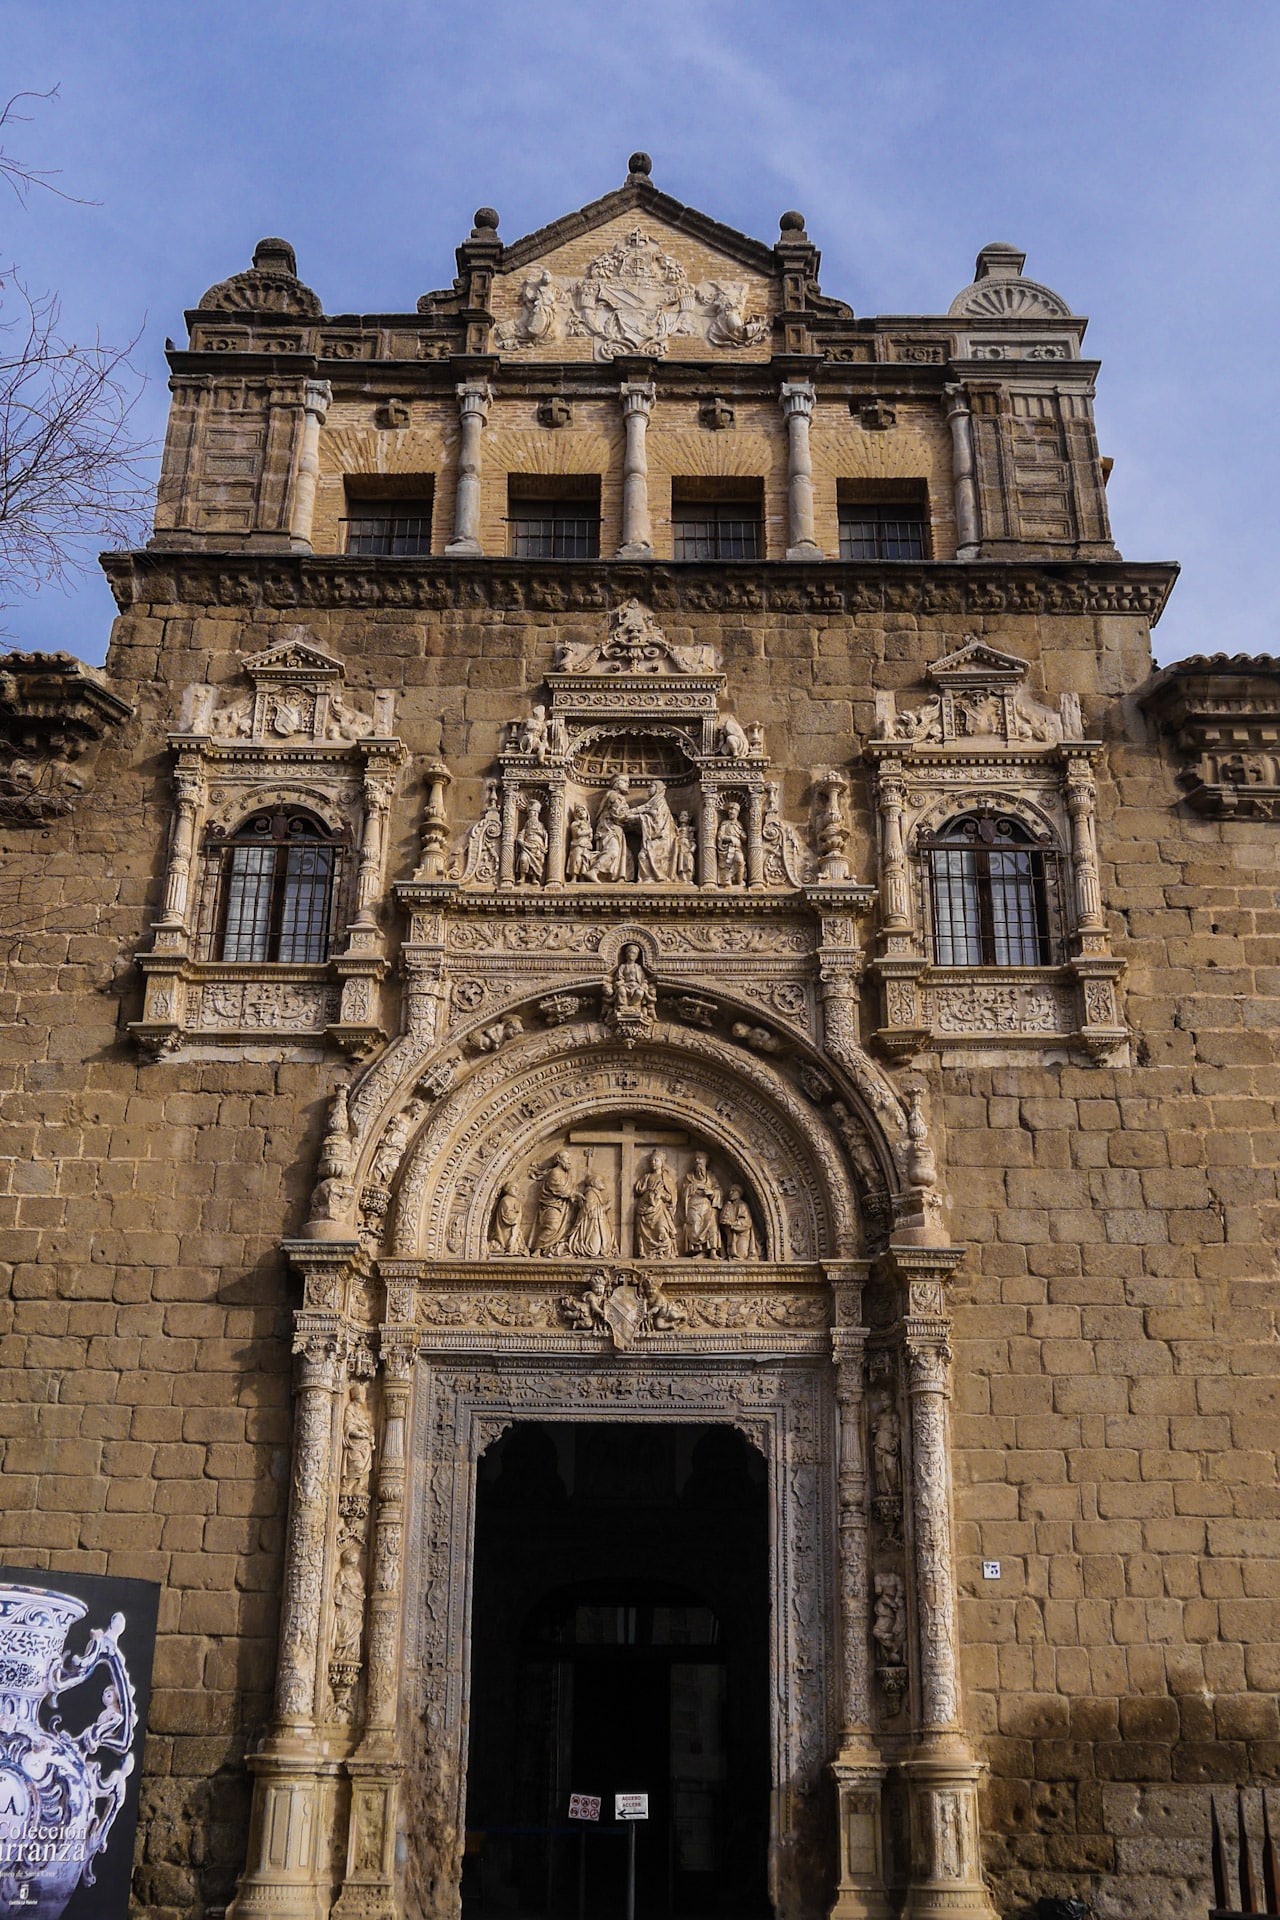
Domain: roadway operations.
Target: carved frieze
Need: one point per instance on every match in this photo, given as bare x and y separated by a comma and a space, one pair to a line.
1223, 716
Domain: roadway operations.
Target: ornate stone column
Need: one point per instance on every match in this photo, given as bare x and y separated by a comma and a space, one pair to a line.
755, 836
895, 893
708, 827
1082, 796
511, 797
858, 1768
474, 400
797, 399
434, 864
555, 831
189, 787
375, 1768
946, 1868
284, 1873
962, 474
637, 533
317, 397
378, 791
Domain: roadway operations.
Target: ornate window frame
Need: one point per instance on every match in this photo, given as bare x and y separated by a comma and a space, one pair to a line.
980, 743
293, 741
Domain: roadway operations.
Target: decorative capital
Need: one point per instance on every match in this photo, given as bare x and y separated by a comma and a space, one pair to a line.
475, 397
638, 397
797, 398
317, 398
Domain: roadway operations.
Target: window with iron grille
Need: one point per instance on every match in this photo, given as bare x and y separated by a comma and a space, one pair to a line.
275, 882
715, 529
882, 530
989, 893
553, 528
389, 527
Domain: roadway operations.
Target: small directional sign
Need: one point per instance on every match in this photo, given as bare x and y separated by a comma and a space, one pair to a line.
584, 1806
631, 1806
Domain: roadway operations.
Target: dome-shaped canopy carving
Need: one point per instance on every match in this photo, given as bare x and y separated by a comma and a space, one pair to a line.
998, 291
270, 285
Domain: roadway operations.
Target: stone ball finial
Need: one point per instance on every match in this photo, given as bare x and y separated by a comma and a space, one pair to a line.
791, 223
486, 220
275, 256
640, 166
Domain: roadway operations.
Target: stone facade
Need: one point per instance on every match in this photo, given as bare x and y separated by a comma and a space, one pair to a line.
636, 1066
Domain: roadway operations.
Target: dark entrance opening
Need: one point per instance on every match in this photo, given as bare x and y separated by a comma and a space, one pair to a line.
619, 1644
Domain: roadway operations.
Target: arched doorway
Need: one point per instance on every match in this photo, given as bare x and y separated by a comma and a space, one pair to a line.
620, 1642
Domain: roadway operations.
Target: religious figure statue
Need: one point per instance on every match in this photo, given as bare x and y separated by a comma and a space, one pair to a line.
357, 1440
886, 1443
658, 836
889, 1626
531, 847
702, 1201
611, 861
686, 851
593, 1236
579, 847
506, 1235
730, 848
629, 994
655, 1217
555, 1208
477, 859
737, 1228
393, 1143
348, 1607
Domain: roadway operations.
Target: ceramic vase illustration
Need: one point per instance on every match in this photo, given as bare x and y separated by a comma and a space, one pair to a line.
57, 1803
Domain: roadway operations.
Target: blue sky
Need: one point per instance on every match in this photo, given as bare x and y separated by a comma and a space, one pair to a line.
1130, 148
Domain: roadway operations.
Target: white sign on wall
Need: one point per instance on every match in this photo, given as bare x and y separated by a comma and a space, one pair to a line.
631, 1806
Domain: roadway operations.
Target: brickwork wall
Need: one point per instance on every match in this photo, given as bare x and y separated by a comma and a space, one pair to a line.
1117, 1363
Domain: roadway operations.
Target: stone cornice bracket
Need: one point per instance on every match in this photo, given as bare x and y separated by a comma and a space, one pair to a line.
637, 398
475, 397
1222, 715
797, 399
53, 710
317, 398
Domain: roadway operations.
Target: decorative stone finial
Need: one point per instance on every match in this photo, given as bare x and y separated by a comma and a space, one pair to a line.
791, 223
639, 166
275, 256
486, 220
999, 261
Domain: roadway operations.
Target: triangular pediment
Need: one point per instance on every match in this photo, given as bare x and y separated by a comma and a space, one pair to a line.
976, 661
636, 274
292, 660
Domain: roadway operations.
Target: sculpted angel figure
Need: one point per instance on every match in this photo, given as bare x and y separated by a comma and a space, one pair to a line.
661, 1313
593, 1236
702, 1201
555, 1207
658, 836
533, 734
587, 1313
686, 851
656, 1210
611, 861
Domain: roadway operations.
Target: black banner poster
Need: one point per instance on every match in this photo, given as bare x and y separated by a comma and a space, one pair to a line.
75, 1683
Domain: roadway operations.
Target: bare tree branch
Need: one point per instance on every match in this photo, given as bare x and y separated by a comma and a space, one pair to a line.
17, 173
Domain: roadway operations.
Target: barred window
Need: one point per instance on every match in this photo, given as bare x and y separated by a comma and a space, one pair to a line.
276, 888
553, 527
715, 530
882, 530
989, 894
388, 527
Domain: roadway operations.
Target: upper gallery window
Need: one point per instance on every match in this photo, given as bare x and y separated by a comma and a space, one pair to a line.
718, 520
883, 526
553, 516
391, 524
989, 886
277, 885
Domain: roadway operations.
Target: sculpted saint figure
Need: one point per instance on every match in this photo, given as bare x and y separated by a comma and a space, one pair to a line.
533, 734
611, 861
555, 1208
730, 843
886, 1440
592, 1237
531, 847
348, 1607
506, 1235
702, 1198
686, 850
579, 849
658, 836
629, 992
357, 1440
656, 1210
737, 1228
889, 1627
